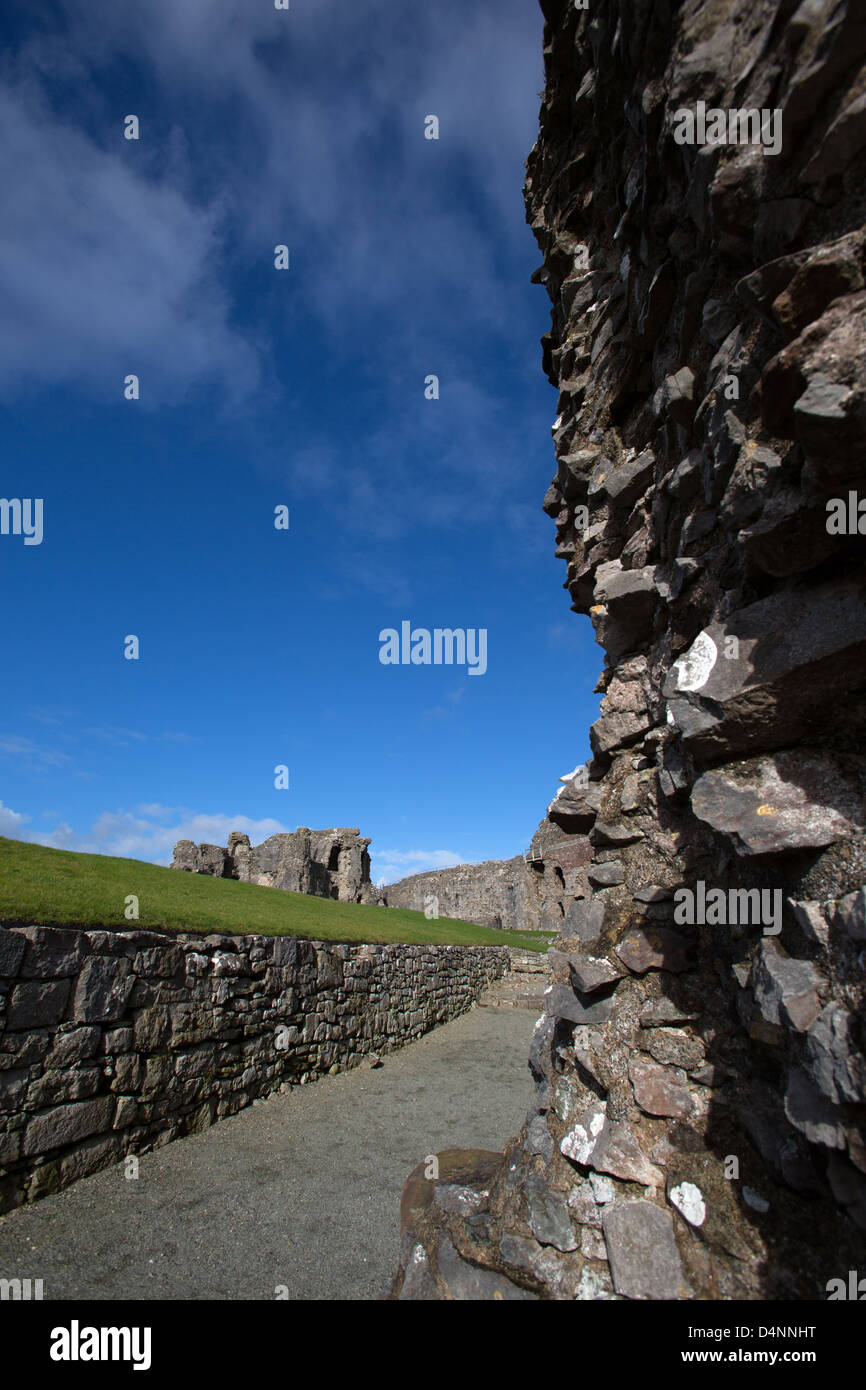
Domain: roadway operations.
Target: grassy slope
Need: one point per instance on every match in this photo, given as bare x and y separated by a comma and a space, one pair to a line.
60, 888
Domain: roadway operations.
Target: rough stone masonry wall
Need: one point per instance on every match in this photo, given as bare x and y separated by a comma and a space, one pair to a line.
497, 893
113, 1042
326, 863
698, 1129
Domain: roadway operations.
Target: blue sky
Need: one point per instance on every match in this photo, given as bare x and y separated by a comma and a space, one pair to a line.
259, 388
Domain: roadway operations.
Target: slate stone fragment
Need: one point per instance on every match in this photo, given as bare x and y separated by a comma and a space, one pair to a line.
798, 799
794, 651
619, 1154
660, 1090
549, 1220
643, 1255
654, 948
606, 875
584, 920
570, 1004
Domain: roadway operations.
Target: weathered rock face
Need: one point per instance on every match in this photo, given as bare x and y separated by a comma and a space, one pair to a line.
326, 863
699, 1128
498, 893
530, 891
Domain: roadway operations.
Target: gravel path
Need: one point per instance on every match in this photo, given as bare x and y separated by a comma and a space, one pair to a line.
301, 1190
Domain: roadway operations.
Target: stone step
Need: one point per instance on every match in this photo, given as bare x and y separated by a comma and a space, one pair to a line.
520, 988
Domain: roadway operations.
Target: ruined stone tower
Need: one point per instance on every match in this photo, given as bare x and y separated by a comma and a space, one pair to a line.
700, 1113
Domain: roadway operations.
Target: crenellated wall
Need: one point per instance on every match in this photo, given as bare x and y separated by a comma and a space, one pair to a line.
699, 1129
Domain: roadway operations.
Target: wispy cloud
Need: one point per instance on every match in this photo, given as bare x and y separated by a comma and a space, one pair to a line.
446, 710
391, 865
124, 737
103, 270
119, 251
121, 737
33, 755
140, 834
36, 755
56, 719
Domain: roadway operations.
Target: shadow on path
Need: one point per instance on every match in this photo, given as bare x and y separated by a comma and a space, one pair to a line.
301, 1190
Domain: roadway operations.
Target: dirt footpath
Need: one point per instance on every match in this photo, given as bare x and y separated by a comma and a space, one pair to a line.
301, 1191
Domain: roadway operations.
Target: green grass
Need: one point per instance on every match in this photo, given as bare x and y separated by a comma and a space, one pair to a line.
60, 888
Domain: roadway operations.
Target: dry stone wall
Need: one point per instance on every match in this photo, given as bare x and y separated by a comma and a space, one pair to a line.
699, 1129
113, 1042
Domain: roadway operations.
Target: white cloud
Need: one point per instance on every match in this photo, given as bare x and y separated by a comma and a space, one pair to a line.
117, 250
11, 823
138, 836
105, 271
391, 865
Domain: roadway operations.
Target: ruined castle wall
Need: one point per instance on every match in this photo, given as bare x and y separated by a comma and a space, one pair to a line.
497, 893
700, 1113
326, 863
114, 1041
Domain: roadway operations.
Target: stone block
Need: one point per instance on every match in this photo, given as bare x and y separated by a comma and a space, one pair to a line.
103, 988
65, 1124
643, 1255
51, 953
12, 946
38, 1003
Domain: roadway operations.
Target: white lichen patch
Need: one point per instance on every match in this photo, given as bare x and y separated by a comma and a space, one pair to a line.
580, 1141
695, 666
603, 1189
688, 1199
